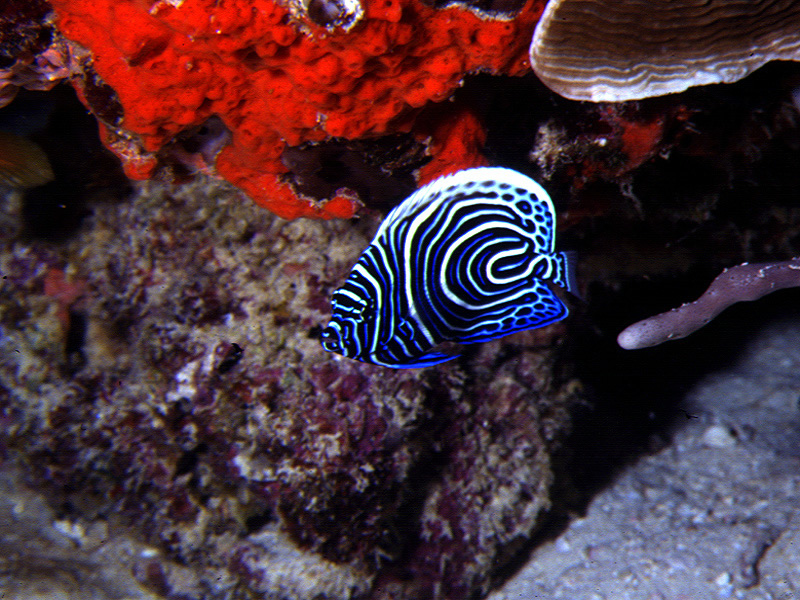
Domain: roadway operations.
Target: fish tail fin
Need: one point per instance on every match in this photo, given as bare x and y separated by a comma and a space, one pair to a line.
565, 276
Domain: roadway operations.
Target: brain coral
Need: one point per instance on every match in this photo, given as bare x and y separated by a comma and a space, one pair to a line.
281, 75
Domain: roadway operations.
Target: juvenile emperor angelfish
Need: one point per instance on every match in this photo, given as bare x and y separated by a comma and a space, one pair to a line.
467, 258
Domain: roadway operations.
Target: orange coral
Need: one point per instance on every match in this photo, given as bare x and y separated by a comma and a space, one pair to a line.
640, 141
277, 78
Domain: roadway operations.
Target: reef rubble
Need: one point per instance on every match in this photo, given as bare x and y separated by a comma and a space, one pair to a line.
282, 75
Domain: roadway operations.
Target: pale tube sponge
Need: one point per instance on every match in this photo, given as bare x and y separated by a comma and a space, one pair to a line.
738, 284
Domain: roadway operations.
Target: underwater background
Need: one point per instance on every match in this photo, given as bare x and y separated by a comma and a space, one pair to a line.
185, 184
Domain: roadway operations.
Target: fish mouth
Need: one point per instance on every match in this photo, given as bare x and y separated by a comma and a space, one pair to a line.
330, 339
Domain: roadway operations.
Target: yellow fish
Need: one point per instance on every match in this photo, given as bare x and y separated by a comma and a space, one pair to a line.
22, 162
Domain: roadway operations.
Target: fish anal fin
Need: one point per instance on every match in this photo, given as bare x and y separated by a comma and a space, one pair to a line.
428, 359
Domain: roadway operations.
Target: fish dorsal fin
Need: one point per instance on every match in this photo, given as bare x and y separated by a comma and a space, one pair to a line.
511, 187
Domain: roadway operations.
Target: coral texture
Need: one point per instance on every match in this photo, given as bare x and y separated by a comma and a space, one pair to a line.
32, 55
607, 51
276, 77
160, 371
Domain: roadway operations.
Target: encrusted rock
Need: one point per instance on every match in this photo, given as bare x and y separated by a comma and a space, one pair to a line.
204, 418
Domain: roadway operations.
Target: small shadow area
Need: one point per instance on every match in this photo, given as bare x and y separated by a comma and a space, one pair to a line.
635, 396
84, 171
719, 187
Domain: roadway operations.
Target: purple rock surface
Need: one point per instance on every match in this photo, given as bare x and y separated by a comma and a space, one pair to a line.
160, 373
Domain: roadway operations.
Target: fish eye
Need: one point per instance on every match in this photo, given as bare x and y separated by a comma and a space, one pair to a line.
363, 310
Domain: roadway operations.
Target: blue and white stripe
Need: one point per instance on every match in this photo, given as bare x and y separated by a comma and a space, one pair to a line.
466, 258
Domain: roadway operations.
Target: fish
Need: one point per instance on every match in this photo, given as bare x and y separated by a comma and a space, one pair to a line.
23, 163
467, 258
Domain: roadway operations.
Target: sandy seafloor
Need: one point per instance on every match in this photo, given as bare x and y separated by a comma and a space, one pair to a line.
714, 514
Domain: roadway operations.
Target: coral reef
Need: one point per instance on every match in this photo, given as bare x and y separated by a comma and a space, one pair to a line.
608, 142
281, 76
160, 373
673, 177
616, 51
32, 54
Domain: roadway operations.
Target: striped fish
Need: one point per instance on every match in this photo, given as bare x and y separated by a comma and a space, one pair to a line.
467, 258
